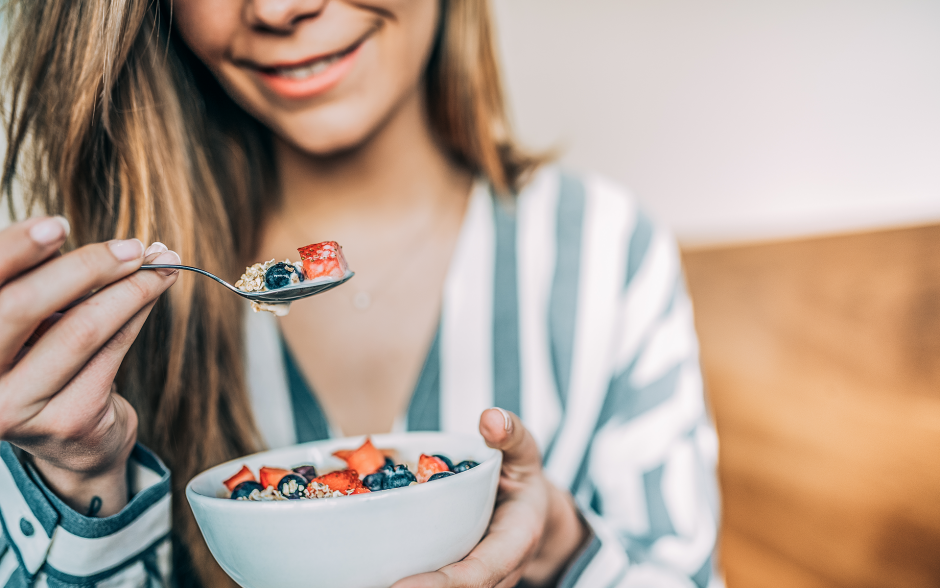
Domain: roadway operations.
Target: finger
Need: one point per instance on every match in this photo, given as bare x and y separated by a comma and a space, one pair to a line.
43, 327
503, 430
497, 560
33, 296
28, 243
155, 248
467, 572
99, 372
151, 253
84, 405
82, 331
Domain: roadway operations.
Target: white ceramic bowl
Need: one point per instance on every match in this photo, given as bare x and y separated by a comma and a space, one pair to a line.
361, 541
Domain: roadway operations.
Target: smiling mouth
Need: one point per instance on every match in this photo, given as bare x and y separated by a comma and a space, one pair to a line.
310, 68
317, 65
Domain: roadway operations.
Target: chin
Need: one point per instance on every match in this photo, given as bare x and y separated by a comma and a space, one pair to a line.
327, 133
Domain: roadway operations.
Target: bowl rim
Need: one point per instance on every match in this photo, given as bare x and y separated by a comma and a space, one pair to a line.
192, 495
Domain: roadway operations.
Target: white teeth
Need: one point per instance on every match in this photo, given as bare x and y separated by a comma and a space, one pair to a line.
309, 70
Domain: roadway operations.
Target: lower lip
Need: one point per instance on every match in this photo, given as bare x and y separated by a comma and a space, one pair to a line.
314, 85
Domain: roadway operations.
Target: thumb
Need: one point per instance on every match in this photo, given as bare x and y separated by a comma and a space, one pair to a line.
503, 430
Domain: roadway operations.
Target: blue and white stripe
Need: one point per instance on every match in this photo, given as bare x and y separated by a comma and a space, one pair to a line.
46, 543
567, 305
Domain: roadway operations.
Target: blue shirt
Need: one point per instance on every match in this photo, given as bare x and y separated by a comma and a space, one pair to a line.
565, 305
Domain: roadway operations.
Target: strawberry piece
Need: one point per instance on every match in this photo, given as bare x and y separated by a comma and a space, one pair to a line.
342, 481
271, 476
428, 465
367, 459
243, 475
323, 260
343, 454
362, 490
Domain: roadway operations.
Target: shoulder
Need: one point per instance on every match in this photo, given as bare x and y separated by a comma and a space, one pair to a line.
594, 215
552, 180
593, 200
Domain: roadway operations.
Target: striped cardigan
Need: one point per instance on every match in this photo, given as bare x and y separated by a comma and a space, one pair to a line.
566, 306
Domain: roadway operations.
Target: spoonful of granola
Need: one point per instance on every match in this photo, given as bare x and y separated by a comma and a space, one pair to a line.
273, 285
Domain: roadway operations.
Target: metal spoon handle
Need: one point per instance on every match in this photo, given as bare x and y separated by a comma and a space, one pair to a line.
278, 296
191, 269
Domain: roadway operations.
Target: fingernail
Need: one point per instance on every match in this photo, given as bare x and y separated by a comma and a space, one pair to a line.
155, 247
167, 258
127, 249
507, 420
50, 230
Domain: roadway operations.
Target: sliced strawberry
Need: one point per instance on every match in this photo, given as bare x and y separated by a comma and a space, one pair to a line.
362, 490
341, 481
243, 475
343, 454
428, 465
366, 460
271, 476
323, 260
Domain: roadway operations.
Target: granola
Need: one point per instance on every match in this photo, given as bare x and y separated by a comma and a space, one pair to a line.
317, 261
302, 482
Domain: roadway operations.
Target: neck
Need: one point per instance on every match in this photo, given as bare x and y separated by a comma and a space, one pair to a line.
400, 170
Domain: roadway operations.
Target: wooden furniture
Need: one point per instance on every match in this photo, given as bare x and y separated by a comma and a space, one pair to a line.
822, 364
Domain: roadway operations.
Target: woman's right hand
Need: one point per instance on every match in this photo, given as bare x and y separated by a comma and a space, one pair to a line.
57, 398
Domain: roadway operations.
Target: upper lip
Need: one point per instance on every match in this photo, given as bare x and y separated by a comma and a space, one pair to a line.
272, 67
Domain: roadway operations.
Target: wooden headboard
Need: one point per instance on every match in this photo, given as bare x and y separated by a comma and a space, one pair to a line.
822, 365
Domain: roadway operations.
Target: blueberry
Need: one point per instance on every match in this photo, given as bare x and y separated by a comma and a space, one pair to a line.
400, 478
307, 471
375, 482
246, 488
440, 475
446, 460
279, 275
292, 486
388, 467
464, 466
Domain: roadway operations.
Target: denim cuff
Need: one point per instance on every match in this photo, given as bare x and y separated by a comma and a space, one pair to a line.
47, 535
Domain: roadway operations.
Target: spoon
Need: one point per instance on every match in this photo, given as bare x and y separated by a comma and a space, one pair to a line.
285, 294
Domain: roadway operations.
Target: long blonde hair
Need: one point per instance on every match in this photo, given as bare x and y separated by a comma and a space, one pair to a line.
111, 121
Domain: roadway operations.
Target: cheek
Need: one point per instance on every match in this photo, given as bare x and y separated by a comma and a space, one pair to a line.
207, 27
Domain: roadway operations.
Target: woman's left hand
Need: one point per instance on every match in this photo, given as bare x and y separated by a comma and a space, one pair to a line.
535, 530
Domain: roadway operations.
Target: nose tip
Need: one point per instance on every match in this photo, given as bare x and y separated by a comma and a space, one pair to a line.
281, 15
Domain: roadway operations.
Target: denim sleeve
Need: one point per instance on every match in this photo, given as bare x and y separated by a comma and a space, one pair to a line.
44, 541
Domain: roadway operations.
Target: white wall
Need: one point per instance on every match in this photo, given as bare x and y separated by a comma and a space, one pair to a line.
738, 119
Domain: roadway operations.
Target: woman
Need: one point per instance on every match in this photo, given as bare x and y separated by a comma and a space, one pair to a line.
239, 130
